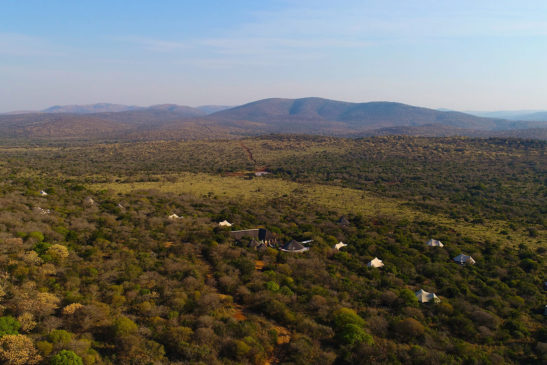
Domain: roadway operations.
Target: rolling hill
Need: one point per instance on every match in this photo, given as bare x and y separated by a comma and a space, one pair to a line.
323, 115
300, 116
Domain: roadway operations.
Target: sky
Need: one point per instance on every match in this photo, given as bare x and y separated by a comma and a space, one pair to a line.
461, 55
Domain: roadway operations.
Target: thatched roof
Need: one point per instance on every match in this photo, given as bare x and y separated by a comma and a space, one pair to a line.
294, 246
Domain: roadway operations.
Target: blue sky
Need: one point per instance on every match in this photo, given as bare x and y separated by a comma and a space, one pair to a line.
464, 55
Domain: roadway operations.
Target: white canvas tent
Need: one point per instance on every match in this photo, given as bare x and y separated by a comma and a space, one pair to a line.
434, 243
426, 297
43, 193
225, 223
339, 245
464, 259
375, 262
89, 201
174, 216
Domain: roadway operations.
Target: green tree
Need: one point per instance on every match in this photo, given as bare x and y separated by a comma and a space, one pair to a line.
352, 333
348, 326
408, 298
66, 357
60, 336
9, 326
124, 326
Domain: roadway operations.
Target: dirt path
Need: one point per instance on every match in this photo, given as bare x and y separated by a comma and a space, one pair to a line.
249, 153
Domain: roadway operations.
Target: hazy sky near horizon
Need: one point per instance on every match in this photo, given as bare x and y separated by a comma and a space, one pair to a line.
463, 55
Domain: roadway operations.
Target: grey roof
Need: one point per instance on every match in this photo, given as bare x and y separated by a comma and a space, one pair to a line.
250, 233
259, 234
464, 259
343, 221
294, 246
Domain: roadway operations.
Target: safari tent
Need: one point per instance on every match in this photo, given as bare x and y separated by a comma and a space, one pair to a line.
375, 262
434, 243
426, 297
339, 245
464, 259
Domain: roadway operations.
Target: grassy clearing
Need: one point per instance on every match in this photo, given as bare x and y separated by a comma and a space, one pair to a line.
342, 200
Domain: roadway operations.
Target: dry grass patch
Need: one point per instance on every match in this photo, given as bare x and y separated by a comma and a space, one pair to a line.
337, 198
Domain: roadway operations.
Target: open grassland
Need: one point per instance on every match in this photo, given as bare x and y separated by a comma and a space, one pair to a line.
339, 199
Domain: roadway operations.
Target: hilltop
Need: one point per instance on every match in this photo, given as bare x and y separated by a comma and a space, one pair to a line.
302, 116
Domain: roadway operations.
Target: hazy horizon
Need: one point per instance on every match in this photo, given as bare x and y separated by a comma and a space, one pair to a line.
461, 56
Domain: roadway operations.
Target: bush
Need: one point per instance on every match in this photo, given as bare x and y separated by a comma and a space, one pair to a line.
18, 350
60, 336
409, 329
346, 316
348, 326
66, 357
354, 334
9, 326
124, 326
408, 298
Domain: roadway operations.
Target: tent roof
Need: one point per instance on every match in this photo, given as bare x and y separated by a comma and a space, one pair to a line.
375, 262
343, 221
424, 296
339, 245
434, 243
464, 259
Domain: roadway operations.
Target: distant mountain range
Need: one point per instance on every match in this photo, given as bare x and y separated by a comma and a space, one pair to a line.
304, 116
116, 108
523, 115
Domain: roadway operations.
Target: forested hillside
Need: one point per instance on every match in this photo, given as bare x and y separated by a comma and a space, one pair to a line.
93, 269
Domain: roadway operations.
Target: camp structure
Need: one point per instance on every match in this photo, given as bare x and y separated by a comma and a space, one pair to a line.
257, 245
375, 262
89, 201
464, 259
174, 216
343, 221
434, 243
339, 245
43, 193
225, 223
294, 246
42, 210
425, 297
259, 234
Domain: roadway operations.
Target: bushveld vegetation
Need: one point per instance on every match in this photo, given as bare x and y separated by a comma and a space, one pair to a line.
105, 276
